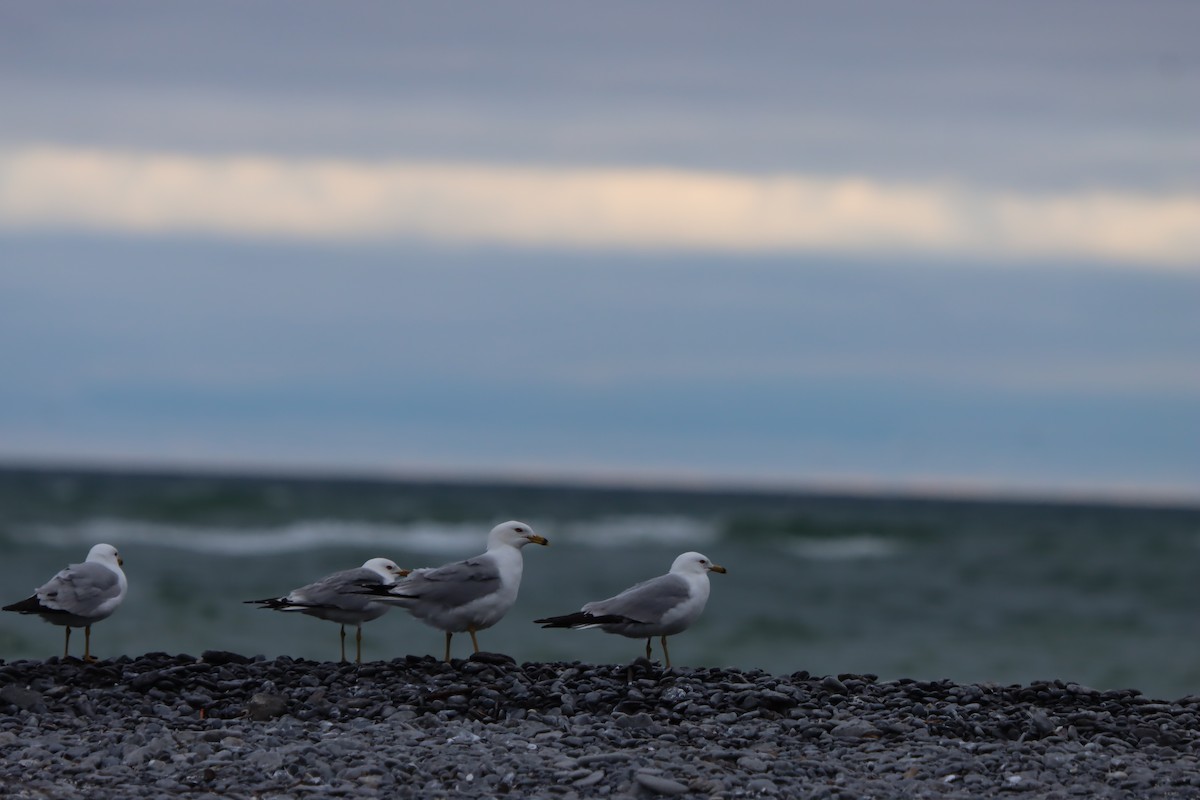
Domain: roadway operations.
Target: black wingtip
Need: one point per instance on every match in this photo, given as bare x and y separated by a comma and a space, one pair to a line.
565, 621
579, 619
270, 602
30, 605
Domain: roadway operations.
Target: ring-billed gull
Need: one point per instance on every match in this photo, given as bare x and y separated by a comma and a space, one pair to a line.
80, 595
661, 606
339, 598
469, 595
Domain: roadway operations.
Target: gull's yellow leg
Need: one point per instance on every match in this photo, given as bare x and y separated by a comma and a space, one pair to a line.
666, 653
648, 640
474, 641
87, 643
67, 643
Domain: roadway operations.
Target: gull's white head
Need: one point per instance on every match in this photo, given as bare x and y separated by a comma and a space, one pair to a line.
515, 534
105, 554
695, 564
386, 568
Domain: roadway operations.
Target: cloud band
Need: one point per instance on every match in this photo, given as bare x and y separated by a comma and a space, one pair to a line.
58, 188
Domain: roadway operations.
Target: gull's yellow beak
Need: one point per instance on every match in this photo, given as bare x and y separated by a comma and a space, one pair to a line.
535, 539
403, 573
717, 568
120, 561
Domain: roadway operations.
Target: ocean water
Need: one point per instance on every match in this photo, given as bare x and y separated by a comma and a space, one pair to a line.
1106, 596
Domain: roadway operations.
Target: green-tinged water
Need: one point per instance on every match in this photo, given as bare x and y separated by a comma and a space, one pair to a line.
1004, 592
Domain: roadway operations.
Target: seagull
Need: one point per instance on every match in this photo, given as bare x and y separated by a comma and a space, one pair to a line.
338, 598
80, 595
469, 595
661, 606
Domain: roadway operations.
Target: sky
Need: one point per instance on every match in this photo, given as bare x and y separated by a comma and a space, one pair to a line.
932, 246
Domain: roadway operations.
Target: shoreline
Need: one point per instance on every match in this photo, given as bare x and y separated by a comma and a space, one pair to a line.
227, 725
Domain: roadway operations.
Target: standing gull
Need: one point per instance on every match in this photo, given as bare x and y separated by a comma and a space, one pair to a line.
661, 606
339, 598
468, 595
80, 595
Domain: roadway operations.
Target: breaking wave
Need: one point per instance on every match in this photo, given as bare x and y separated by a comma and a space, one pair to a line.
424, 537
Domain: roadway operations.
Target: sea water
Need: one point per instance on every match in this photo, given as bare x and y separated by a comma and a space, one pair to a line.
1006, 592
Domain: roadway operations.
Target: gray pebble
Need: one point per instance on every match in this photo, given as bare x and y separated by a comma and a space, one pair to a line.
659, 784
833, 684
856, 729
21, 697
762, 786
263, 706
752, 764
591, 779
603, 758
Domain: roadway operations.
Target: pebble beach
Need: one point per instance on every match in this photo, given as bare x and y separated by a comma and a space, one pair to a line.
224, 725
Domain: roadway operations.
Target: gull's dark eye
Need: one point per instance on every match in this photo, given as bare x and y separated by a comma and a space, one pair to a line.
519, 529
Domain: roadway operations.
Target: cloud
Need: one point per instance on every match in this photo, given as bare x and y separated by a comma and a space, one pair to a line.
613, 209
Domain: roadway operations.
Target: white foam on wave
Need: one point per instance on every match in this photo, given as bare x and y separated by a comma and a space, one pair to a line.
844, 548
291, 538
435, 538
678, 531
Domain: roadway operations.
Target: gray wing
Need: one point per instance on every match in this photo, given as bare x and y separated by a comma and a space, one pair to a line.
453, 585
80, 589
343, 590
648, 601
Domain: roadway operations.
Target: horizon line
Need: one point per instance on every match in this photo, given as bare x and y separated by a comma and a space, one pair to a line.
916, 490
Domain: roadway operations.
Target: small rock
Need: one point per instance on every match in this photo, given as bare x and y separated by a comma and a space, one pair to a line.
603, 758
463, 737
1041, 723
752, 764
265, 761
762, 786
832, 684
221, 657
659, 784
21, 697
635, 721
589, 780
263, 707
855, 729
499, 659
674, 694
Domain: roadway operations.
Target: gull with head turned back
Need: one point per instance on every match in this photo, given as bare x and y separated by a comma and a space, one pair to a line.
80, 595
339, 598
471, 595
661, 606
